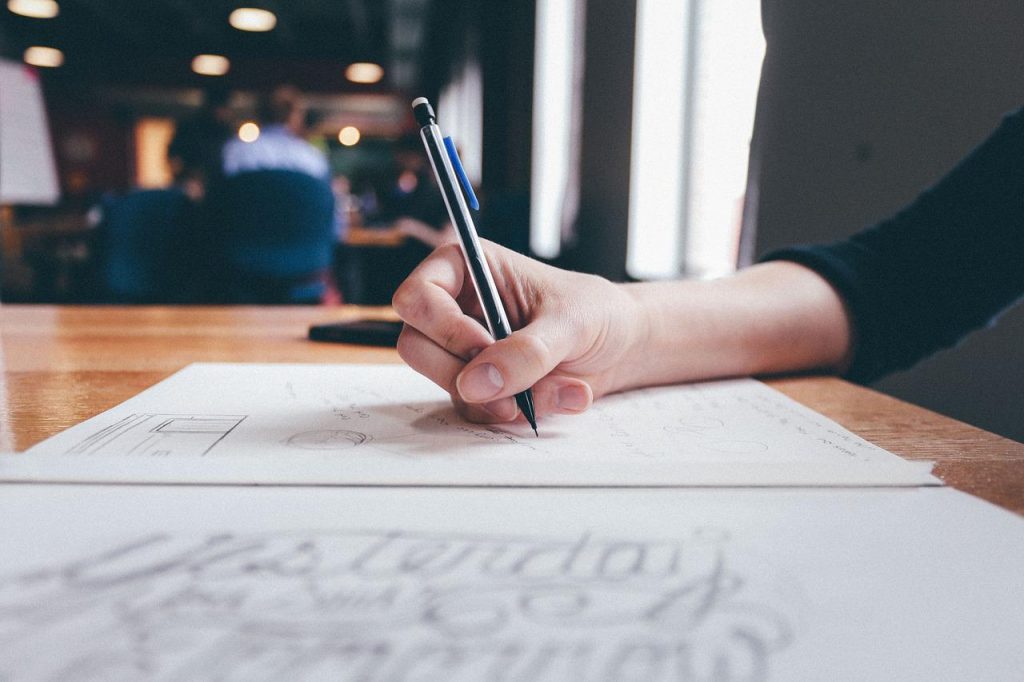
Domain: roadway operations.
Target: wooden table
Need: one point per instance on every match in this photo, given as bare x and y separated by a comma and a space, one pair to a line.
62, 365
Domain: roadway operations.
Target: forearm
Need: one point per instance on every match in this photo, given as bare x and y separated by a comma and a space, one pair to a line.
945, 265
771, 318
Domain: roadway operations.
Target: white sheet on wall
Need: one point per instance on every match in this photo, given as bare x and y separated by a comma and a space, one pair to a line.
28, 174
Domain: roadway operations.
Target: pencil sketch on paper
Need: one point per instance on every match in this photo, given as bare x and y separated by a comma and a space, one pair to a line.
159, 435
391, 605
327, 439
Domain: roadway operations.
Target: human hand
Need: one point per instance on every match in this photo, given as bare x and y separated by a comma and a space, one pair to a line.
419, 230
574, 335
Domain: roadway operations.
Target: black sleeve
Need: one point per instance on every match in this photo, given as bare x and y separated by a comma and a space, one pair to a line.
945, 265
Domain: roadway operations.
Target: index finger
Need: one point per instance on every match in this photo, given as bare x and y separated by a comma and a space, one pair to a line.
428, 301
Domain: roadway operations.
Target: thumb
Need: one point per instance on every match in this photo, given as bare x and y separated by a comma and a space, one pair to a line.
517, 362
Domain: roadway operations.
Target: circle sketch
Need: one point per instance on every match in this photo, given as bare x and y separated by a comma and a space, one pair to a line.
327, 439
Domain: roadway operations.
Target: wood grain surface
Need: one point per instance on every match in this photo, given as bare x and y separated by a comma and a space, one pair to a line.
62, 365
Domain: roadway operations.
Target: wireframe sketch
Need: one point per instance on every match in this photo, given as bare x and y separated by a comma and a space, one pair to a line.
158, 435
392, 605
327, 439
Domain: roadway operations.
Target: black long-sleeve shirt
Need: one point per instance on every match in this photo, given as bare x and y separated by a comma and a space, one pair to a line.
942, 267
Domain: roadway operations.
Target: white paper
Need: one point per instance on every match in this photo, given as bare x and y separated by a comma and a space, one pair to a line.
107, 583
387, 425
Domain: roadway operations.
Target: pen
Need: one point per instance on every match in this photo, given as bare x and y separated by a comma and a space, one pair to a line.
449, 173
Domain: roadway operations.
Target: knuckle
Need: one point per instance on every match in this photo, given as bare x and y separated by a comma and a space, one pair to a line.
450, 337
448, 250
535, 354
403, 297
405, 341
409, 301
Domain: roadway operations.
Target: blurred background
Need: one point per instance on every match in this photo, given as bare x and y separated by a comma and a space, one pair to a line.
237, 151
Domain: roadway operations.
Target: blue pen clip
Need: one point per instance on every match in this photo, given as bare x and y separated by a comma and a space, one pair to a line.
460, 171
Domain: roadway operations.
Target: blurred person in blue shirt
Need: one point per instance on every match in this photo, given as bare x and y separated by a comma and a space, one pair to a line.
280, 145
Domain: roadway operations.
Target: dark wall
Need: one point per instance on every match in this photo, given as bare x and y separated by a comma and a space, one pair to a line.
506, 59
602, 222
863, 104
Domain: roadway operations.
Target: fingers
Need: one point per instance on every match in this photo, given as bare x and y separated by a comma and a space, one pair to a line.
517, 362
553, 394
456, 352
427, 300
441, 367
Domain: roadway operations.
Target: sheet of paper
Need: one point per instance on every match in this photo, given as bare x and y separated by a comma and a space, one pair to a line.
387, 425
107, 583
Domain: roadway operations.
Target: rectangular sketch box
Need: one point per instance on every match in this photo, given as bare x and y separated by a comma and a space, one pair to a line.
159, 435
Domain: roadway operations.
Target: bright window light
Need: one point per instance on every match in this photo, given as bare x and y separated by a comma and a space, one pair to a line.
36, 9
248, 132
460, 108
695, 85
654, 243
553, 198
730, 52
152, 136
364, 72
49, 57
252, 19
210, 65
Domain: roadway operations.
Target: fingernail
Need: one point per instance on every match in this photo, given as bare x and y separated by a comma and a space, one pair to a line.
504, 409
479, 383
573, 398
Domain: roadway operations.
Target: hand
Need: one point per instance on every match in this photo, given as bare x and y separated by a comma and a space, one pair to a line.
419, 230
574, 334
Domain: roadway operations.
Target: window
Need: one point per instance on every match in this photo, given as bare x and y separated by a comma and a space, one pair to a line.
556, 99
461, 105
696, 73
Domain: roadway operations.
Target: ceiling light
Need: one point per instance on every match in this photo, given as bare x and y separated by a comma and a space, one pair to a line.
349, 136
252, 19
44, 56
364, 72
210, 65
248, 132
37, 9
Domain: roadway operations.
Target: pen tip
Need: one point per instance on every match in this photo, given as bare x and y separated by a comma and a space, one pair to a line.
535, 432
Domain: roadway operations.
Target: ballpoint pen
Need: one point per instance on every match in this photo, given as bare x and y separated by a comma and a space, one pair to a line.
449, 173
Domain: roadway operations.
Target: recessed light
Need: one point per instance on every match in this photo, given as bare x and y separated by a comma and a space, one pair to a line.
49, 57
248, 132
364, 72
37, 9
252, 19
210, 65
349, 136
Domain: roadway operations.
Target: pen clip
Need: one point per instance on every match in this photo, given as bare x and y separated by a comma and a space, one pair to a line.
463, 180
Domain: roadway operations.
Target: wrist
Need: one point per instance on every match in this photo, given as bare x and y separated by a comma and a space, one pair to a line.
678, 335
771, 318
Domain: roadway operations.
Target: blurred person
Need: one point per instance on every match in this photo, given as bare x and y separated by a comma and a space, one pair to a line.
271, 218
346, 206
413, 202
149, 246
194, 153
280, 145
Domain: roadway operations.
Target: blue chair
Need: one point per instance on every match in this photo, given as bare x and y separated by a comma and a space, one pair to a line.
148, 247
273, 234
